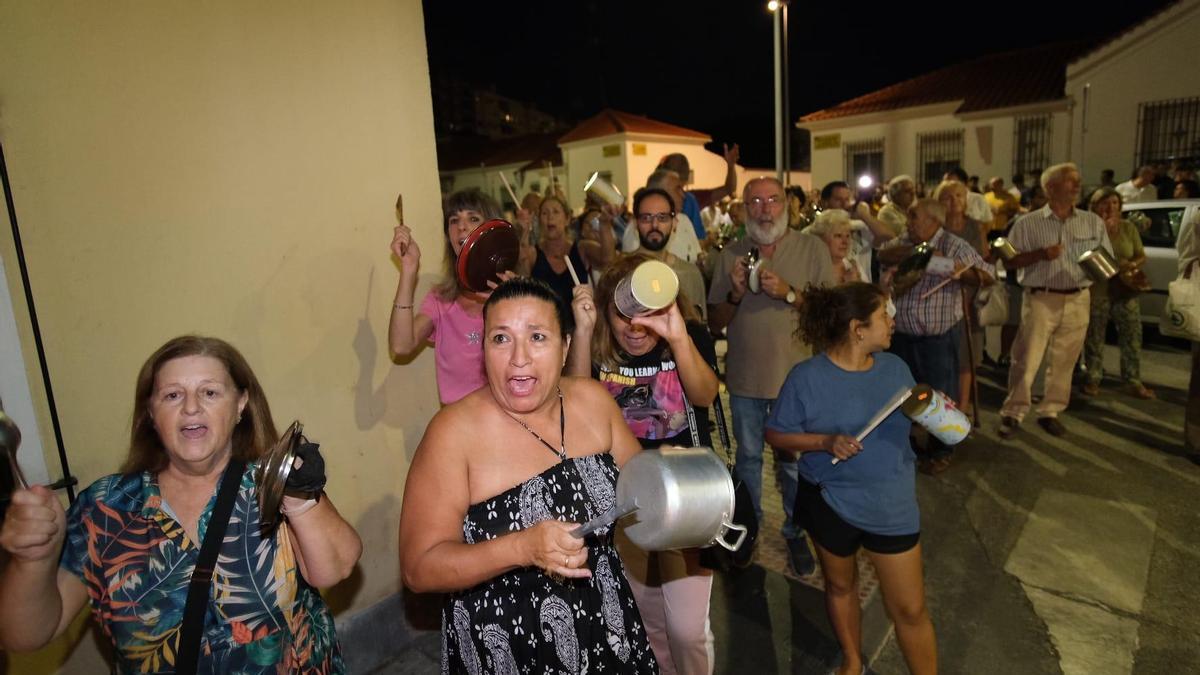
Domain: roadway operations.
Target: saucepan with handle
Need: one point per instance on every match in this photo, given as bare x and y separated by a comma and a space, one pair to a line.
684, 499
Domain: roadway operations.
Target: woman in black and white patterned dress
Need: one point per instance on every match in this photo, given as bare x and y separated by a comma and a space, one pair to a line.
495, 489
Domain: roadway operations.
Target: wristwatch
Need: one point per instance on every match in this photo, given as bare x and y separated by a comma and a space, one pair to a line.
791, 296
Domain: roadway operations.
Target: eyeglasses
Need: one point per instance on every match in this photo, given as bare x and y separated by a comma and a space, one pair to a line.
659, 218
773, 200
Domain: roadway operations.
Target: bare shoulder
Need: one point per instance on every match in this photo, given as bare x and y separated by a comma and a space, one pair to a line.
592, 409
587, 392
449, 429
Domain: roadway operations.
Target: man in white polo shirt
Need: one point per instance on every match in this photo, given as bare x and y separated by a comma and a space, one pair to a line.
1056, 302
1140, 188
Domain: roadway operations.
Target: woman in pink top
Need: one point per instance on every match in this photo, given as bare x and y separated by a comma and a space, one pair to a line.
451, 317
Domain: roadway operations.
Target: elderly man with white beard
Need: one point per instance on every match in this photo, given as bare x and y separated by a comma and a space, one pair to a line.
761, 321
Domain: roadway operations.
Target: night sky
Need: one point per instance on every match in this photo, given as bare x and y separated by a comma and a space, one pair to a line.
708, 65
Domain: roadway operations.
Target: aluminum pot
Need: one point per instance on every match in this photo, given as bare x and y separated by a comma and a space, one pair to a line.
684, 497
1099, 264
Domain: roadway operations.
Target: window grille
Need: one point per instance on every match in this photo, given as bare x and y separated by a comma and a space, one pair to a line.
1031, 144
937, 153
863, 158
1168, 130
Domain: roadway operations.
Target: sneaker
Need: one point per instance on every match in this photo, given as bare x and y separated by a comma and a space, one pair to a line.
1008, 426
800, 558
1052, 426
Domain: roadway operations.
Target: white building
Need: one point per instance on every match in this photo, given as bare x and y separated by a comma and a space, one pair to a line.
1137, 97
624, 148
997, 115
1134, 99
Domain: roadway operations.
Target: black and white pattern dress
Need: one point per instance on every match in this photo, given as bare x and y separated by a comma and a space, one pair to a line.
524, 622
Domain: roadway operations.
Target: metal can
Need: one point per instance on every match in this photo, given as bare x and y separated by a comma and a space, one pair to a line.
651, 286
603, 189
935, 411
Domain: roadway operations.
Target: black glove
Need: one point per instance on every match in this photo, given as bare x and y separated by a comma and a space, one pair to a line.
309, 479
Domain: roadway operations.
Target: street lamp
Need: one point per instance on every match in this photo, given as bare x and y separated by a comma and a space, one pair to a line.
782, 124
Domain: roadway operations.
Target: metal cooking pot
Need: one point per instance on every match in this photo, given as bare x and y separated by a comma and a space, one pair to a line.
1099, 264
684, 497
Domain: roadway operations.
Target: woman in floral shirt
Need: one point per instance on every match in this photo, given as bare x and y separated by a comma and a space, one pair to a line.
131, 541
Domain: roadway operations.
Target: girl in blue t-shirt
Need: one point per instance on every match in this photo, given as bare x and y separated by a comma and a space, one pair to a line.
868, 498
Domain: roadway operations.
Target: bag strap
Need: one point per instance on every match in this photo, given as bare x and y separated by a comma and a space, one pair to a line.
187, 652
718, 409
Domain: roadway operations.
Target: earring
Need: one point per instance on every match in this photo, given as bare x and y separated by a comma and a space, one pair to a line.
239, 417
859, 337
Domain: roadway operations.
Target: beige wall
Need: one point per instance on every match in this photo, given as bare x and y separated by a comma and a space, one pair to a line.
227, 168
582, 159
1156, 63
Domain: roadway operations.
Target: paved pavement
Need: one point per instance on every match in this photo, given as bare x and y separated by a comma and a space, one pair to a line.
1074, 554
1043, 555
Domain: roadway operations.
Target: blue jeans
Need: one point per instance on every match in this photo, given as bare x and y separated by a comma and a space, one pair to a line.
933, 360
749, 426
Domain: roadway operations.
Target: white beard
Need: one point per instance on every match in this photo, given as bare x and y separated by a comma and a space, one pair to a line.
769, 235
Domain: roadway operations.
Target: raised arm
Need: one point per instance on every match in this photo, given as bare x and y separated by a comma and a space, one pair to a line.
326, 546
732, 154
40, 599
698, 379
408, 329
579, 356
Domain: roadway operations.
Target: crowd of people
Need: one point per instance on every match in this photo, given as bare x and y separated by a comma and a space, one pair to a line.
828, 302
888, 288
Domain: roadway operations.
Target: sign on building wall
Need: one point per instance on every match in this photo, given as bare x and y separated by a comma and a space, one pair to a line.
639, 149
613, 150
827, 142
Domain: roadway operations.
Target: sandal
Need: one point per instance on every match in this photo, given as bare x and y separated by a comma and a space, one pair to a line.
1139, 390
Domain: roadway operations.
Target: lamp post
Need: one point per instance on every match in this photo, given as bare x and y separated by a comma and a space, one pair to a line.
778, 8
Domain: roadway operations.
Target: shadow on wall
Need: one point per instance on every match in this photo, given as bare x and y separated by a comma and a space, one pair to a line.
372, 402
377, 524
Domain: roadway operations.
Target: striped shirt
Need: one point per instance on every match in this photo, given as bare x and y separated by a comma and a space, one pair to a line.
944, 309
1081, 232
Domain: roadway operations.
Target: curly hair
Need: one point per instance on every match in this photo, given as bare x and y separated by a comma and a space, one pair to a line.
826, 313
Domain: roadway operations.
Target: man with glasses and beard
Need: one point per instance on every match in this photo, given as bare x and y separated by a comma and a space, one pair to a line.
758, 307
683, 242
655, 218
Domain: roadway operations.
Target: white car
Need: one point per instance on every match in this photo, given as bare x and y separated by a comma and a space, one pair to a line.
1159, 222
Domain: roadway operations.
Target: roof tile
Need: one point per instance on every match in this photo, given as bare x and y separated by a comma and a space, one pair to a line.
994, 81
609, 122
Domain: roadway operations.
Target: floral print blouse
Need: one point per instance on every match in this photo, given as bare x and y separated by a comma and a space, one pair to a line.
136, 561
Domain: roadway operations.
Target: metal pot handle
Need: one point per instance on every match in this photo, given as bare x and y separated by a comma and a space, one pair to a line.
726, 526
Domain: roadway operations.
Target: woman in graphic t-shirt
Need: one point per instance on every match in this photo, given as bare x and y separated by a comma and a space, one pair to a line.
659, 368
450, 316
